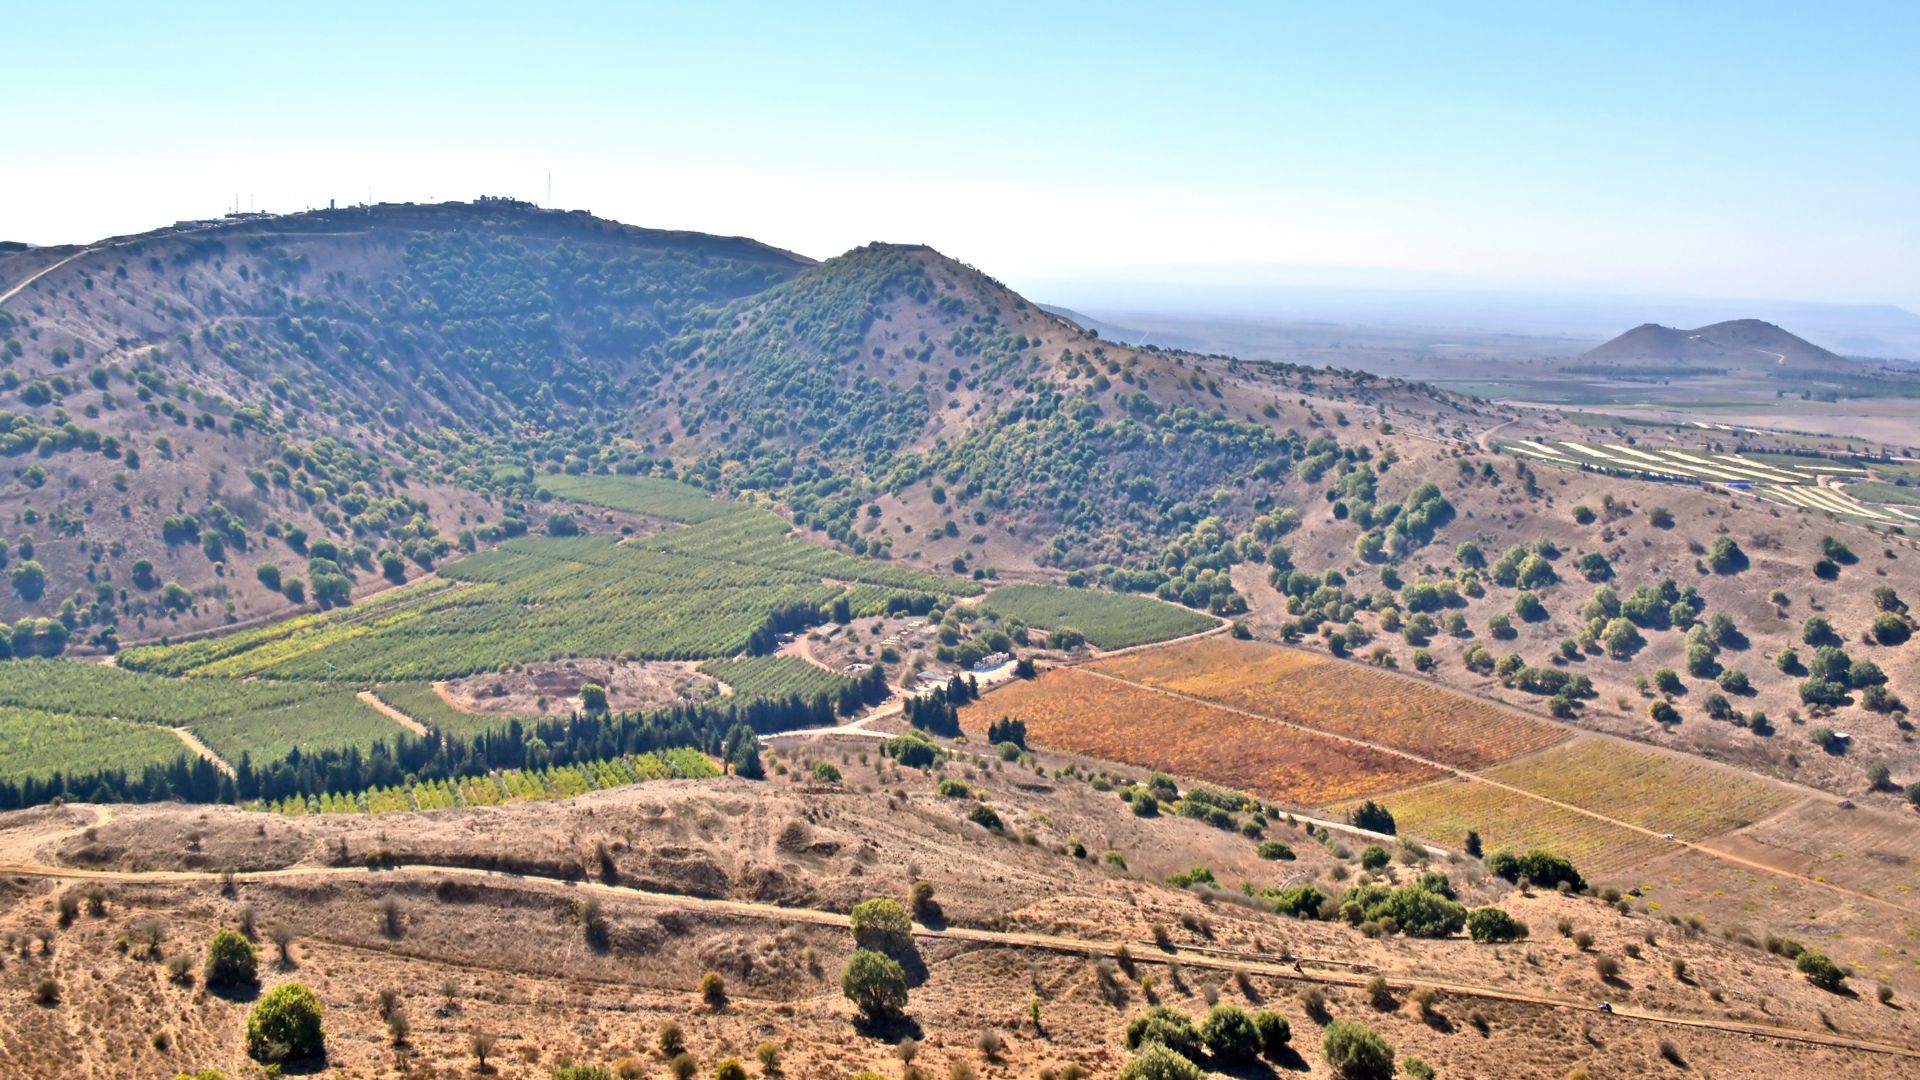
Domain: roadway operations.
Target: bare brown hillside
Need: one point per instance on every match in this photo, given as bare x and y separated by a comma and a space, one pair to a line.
752, 882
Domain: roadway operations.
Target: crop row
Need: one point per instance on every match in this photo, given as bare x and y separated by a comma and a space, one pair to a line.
557, 782
1666, 793
1109, 620
1863, 849
261, 719
194, 656
775, 677
38, 744
1831, 501
704, 591
763, 540
1344, 699
1445, 811
647, 495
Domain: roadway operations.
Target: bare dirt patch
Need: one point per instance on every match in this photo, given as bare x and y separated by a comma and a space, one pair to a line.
554, 689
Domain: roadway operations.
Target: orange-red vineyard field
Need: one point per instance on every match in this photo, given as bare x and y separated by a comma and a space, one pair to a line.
1072, 711
1346, 699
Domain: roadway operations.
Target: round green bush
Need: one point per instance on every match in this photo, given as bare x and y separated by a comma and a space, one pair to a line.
231, 960
1274, 1030
875, 983
1489, 925
881, 924
285, 1024
1274, 849
1357, 1052
1229, 1034
1821, 971
1168, 1027
1156, 1062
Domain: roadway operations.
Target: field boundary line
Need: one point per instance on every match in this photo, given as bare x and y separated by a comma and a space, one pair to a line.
1094, 653
374, 702
1004, 938
199, 749
1567, 726
1464, 774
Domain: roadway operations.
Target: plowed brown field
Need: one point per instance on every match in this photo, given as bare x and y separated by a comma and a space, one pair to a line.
1084, 714
1345, 699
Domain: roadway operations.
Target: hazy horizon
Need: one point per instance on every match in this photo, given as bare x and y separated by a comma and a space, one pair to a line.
1720, 150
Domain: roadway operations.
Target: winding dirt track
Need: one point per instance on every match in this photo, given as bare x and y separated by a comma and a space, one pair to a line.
1142, 952
43, 272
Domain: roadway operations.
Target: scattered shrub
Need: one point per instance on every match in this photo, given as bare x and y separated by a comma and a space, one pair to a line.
1491, 925
882, 924
1156, 1062
1356, 1052
1821, 971
1230, 1035
875, 983
231, 960
1274, 1032
286, 1024
1167, 1027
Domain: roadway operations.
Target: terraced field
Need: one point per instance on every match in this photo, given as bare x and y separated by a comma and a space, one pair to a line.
1074, 711
206, 655
1689, 798
1839, 501
1444, 811
647, 495
1346, 699
1789, 481
39, 744
1666, 463
1109, 620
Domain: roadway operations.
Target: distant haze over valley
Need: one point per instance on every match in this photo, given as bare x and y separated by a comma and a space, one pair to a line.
1581, 320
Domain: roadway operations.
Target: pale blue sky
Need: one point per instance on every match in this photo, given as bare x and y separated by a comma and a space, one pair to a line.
1719, 149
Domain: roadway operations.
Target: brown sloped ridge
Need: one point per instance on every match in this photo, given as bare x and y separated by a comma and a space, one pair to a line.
1214, 959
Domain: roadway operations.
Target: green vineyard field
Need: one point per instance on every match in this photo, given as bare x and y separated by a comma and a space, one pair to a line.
647, 495
1109, 620
38, 744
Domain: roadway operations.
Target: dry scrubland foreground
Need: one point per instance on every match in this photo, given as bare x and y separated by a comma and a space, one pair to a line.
602, 915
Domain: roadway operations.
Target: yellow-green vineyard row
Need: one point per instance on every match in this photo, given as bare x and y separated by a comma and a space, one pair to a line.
555, 782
